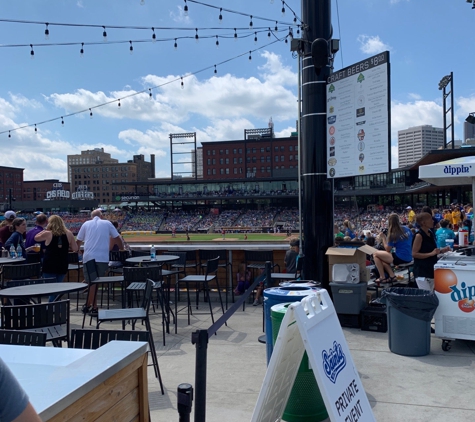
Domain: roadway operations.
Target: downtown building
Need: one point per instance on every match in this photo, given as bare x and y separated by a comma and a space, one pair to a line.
415, 142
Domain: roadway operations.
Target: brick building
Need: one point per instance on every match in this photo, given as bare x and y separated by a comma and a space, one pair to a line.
11, 184
39, 190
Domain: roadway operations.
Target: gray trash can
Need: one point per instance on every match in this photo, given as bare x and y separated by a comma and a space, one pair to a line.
410, 312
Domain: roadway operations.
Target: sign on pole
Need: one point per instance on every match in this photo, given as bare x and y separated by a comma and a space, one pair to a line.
358, 118
312, 325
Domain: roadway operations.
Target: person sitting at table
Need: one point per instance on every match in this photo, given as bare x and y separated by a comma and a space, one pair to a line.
58, 242
397, 249
18, 229
14, 403
243, 277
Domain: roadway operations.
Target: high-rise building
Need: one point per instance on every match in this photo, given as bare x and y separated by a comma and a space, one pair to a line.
415, 142
91, 156
468, 131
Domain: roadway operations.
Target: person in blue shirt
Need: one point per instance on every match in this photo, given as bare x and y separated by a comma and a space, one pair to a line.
467, 225
397, 249
348, 229
443, 234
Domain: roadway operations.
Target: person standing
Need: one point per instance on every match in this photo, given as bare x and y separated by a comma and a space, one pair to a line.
95, 235
290, 259
58, 241
411, 215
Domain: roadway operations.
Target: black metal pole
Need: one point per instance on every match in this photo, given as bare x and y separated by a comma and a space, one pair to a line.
317, 190
452, 108
444, 110
184, 401
200, 340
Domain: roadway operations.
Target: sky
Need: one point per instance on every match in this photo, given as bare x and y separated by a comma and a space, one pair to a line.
426, 40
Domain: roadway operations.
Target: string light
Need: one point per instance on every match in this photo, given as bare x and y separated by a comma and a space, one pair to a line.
81, 51
298, 30
220, 15
276, 28
46, 31
32, 52
176, 44
185, 9
217, 42
295, 18
9, 134
255, 37
283, 8
137, 92
215, 70
104, 34
118, 104
131, 48
235, 35
250, 23
197, 38
154, 37
268, 34
36, 129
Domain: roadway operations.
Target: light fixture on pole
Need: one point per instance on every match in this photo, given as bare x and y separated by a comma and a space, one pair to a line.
471, 118
444, 82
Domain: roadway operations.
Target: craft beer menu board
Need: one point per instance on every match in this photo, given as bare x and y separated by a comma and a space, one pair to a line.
358, 118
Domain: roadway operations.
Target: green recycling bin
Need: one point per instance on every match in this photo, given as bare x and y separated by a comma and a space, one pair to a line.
305, 403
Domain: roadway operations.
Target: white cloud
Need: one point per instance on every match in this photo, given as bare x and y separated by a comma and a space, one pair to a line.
180, 16
414, 96
79, 4
372, 44
285, 132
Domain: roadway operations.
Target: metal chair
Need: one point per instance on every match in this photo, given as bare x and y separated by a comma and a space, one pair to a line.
22, 338
204, 255
290, 276
20, 272
116, 257
134, 315
51, 318
257, 259
210, 274
75, 265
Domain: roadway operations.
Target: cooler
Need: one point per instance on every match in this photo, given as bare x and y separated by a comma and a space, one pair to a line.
454, 286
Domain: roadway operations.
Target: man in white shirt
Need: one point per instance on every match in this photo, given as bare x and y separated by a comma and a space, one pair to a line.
95, 234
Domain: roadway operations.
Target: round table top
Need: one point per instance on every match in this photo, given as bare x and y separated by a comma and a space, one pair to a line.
11, 261
43, 289
146, 259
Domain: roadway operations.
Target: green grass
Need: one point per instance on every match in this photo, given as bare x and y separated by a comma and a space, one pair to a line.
198, 237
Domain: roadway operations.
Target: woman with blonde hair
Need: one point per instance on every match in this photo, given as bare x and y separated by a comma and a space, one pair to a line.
348, 229
58, 242
397, 249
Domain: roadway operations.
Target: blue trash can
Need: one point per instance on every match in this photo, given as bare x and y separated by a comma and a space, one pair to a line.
276, 295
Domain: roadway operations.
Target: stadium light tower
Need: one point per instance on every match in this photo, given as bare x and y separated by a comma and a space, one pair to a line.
444, 82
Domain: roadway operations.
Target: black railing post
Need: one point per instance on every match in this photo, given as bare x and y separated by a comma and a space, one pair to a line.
184, 401
200, 340
268, 272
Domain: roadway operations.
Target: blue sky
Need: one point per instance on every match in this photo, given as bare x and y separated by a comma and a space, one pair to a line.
427, 40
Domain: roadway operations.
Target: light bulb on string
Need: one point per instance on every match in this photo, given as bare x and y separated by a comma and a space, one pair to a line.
150, 93
250, 55
104, 34
185, 9
220, 17
175, 45
197, 38
276, 29
295, 18
154, 37
118, 104
255, 37
250, 23
268, 34
182, 83
9, 134
215, 70
90, 113
46, 31
81, 51
131, 48
36, 129
32, 52
283, 8
298, 30
62, 121
235, 35
217, 42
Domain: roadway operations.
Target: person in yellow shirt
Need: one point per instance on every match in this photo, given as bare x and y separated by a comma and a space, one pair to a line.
411, 215
456, 216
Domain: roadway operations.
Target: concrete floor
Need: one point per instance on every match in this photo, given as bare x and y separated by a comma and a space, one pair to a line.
436, 387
